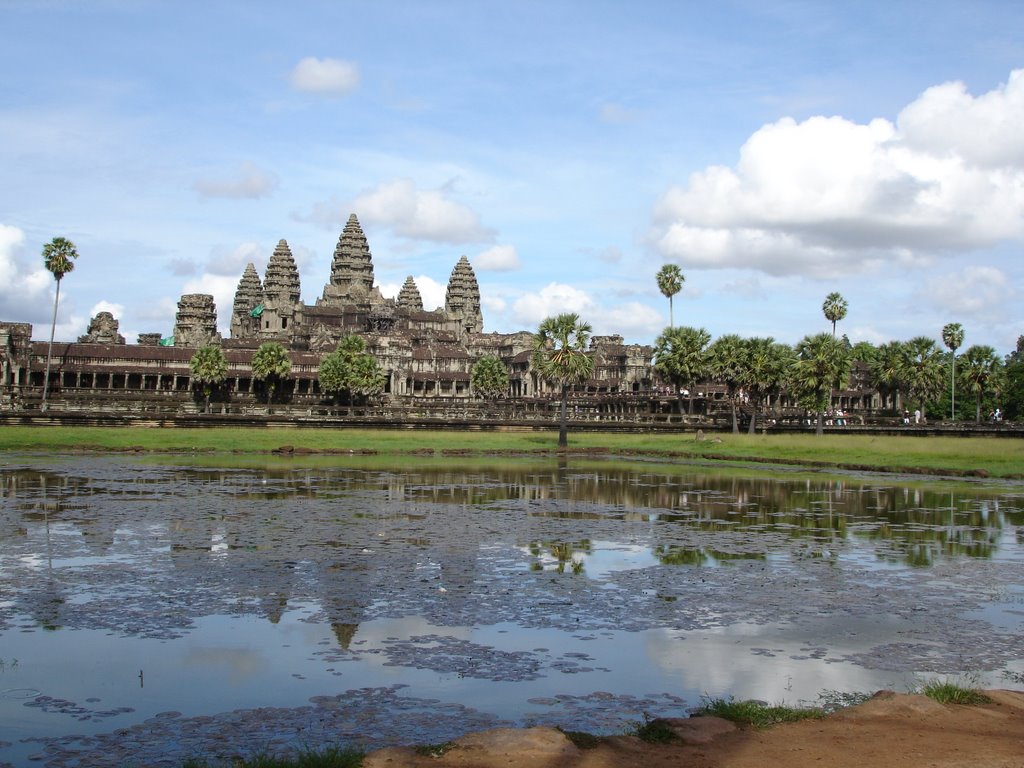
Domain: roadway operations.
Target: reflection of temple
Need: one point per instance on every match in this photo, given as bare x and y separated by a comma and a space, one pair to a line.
425, 353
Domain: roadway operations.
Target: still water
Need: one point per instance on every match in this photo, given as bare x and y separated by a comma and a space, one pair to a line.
156, 609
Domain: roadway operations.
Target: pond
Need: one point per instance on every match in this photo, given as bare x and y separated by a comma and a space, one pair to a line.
158, 608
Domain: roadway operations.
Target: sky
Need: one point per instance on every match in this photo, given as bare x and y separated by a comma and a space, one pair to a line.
775, 151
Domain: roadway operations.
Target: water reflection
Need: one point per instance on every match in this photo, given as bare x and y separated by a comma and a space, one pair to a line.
406, 568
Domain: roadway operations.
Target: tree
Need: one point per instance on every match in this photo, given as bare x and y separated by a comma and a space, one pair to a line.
59, 259
952, 337
489, 377
350, 369
560, 358
981, 372
726, 358
922, 371
822, 364
1013, 390
270, 364
765, 366
209, 368
887, 369
670, 282
680, 357
834, 309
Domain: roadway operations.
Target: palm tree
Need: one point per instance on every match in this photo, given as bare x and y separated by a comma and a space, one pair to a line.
952, 337
982, 372
59, 259
209, 368
346, 370
886, 370
822, 364
765, 365
725, 364
834, 308
922, 370
680, 357
560, 357
670, 282
489, 377
271, 364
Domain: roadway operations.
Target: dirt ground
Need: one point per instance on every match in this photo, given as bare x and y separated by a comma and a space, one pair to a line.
892, 730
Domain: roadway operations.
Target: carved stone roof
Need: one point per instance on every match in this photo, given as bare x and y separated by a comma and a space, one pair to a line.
281, 282
463, 296
249, 292
352, 266
102, 330
409, 297
195, 325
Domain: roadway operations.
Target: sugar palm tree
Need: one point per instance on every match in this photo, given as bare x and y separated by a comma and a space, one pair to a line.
922, 370
560, 357
725, 364
982, 372
670, 282
822, 364
680, 357
952, 337
886, 370
59, 259
271, 364
834, 308
765, 366
209, 368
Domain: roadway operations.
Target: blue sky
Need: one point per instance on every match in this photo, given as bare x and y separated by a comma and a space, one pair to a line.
776, 151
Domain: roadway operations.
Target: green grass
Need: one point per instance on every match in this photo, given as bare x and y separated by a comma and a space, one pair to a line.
993, 457
435, 750
654, 731
329, 757
756, 714
950, 692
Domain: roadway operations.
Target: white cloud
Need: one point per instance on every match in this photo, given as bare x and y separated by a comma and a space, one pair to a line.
249, 182
500, 258
554, 298
827, 196
25, 291
333, 77
231, 263
974, 291
432, 292
417, 214
631, 320
117, 310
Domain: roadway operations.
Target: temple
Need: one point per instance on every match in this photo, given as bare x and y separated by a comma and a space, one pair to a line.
426, 355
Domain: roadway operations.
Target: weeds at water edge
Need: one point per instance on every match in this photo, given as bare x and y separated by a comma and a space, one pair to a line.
756, 713
329, 757
952, 692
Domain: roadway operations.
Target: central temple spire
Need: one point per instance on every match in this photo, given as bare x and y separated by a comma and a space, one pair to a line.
351, 268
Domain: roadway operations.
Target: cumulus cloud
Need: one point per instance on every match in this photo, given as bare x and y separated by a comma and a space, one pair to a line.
248, 182
500, 258
231, 262
331, 77
630, 320
828, 196
418, 214
432, 292
553, 299
25, 290
975, 290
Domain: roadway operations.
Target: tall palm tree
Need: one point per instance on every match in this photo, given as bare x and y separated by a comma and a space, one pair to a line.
922, 370
952, 337
822, 364
982, 372
59, 259
834, 308
726, 357
560, 357
680, 357
765, 365
270, 363
670, 282
209, 367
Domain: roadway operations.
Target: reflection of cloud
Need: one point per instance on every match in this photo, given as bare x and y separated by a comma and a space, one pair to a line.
722, 660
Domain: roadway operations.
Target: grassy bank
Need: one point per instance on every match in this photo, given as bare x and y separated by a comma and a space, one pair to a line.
980, 456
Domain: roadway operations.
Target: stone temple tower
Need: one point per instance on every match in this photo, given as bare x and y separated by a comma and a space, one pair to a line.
245, 315
462, 300
351, 270
195, 325
409, 297
282, 302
